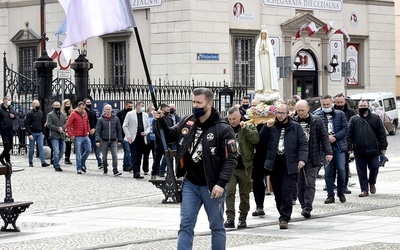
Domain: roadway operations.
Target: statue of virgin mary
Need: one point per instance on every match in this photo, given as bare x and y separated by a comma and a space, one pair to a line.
266, 80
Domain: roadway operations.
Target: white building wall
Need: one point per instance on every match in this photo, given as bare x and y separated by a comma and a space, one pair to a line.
180, 29
175, 32
381, 55
397, 32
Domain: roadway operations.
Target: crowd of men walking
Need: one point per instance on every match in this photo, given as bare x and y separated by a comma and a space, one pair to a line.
64, 126
216, 154
293, 147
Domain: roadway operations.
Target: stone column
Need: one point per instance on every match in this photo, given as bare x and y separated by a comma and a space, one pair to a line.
44, 67
288, 82
325, 61
81, 67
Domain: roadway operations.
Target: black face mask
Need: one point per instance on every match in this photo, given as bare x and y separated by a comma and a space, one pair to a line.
172, 111
88, 106
128, 109
245, 106
37, 108
198, 112
57, 109
67, 108
363, 110
339, 107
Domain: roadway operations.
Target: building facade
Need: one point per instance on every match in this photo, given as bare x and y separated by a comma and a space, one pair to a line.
397, 11
214, 40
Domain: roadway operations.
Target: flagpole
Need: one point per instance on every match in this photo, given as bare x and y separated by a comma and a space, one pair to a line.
167, 152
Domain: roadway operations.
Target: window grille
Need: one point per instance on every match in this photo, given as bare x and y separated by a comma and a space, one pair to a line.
243, 53
118, 62
27, 55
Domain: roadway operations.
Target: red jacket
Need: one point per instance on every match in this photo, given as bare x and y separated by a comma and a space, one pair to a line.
78, 124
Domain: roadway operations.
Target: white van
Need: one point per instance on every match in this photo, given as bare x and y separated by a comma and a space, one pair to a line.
386, 99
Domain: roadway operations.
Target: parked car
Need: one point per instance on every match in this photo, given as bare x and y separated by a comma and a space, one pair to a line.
315, 103
386, 99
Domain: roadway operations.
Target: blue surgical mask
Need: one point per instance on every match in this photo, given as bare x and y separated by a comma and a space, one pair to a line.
327, 110
8, 103
198, 112
142, 109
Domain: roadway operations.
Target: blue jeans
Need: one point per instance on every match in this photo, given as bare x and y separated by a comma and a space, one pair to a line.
82, 150
95, 149
58, 150
127, 154
38, 138
193, 197
339, 158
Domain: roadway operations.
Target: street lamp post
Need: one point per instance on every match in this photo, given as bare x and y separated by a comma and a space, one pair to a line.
345, 74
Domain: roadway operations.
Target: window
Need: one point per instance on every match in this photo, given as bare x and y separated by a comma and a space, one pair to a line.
243, 54
117, 69
27, 55
389, 104
354, 56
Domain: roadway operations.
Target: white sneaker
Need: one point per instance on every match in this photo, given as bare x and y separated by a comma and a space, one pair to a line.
351, 183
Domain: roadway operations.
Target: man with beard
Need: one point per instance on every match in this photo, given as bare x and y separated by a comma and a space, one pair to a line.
316, 134
206, 155
367, 138
286, 147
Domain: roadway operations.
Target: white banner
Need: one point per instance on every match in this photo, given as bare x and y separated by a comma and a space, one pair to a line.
336, 50
352, 58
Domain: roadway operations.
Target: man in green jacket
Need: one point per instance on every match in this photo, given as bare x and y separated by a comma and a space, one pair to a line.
246, 138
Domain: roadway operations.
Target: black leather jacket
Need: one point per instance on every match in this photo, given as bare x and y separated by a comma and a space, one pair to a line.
219, 154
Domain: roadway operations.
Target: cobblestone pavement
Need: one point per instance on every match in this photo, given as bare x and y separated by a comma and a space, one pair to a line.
94, 211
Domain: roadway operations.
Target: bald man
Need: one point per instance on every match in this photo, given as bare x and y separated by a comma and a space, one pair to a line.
109, 136
317, 135
34, 125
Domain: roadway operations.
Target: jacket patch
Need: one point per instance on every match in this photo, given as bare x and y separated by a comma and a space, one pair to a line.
213, 150
190, 123
185, 131
210, 136
232, 146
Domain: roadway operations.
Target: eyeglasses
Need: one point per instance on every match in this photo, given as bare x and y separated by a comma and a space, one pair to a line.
281, 113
